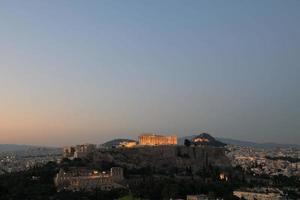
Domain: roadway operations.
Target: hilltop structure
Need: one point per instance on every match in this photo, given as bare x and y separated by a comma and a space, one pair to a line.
79, 151
154, 140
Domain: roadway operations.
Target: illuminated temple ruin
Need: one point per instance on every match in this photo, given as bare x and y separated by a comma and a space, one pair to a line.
152, 139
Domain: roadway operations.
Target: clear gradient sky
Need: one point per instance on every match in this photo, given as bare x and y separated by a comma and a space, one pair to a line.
88, 71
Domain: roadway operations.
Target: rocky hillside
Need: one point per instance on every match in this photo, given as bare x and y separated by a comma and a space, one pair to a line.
165, 158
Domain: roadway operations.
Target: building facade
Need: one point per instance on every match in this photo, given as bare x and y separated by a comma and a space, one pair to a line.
87, 180
152, 139
197, 197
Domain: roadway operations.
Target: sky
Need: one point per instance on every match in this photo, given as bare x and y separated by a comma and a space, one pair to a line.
89, 71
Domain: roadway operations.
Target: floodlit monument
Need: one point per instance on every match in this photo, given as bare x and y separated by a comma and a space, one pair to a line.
152, 139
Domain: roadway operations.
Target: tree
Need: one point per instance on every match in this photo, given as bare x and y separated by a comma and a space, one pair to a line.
187, 143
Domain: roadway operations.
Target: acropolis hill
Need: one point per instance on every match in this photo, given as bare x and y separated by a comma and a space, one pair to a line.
160, 152
165, 157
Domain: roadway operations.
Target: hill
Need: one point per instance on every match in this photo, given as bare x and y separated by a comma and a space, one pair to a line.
268, 145
14, 147
206, 139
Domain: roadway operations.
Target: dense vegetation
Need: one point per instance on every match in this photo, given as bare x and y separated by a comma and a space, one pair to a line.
147, 183
166, 188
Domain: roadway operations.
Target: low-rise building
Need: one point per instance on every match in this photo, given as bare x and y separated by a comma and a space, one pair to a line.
259, 194
197, 197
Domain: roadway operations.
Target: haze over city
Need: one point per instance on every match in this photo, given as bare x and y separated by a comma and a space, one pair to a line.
92, 71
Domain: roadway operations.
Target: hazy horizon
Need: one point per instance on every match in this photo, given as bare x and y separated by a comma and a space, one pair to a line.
135, 137
76, 71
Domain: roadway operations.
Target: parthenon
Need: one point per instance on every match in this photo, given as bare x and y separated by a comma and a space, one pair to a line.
152, 139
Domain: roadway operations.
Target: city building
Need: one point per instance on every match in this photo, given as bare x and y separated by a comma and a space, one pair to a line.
152, 139
197, 197
258, 161
259, 194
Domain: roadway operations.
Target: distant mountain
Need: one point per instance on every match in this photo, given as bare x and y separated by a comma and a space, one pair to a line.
267, 145
13, 147
18, 148
115, 142
245, 143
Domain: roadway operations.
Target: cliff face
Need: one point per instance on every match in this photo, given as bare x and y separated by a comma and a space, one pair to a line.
165, 157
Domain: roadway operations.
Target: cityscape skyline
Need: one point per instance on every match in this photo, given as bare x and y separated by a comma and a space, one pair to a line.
89, 72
